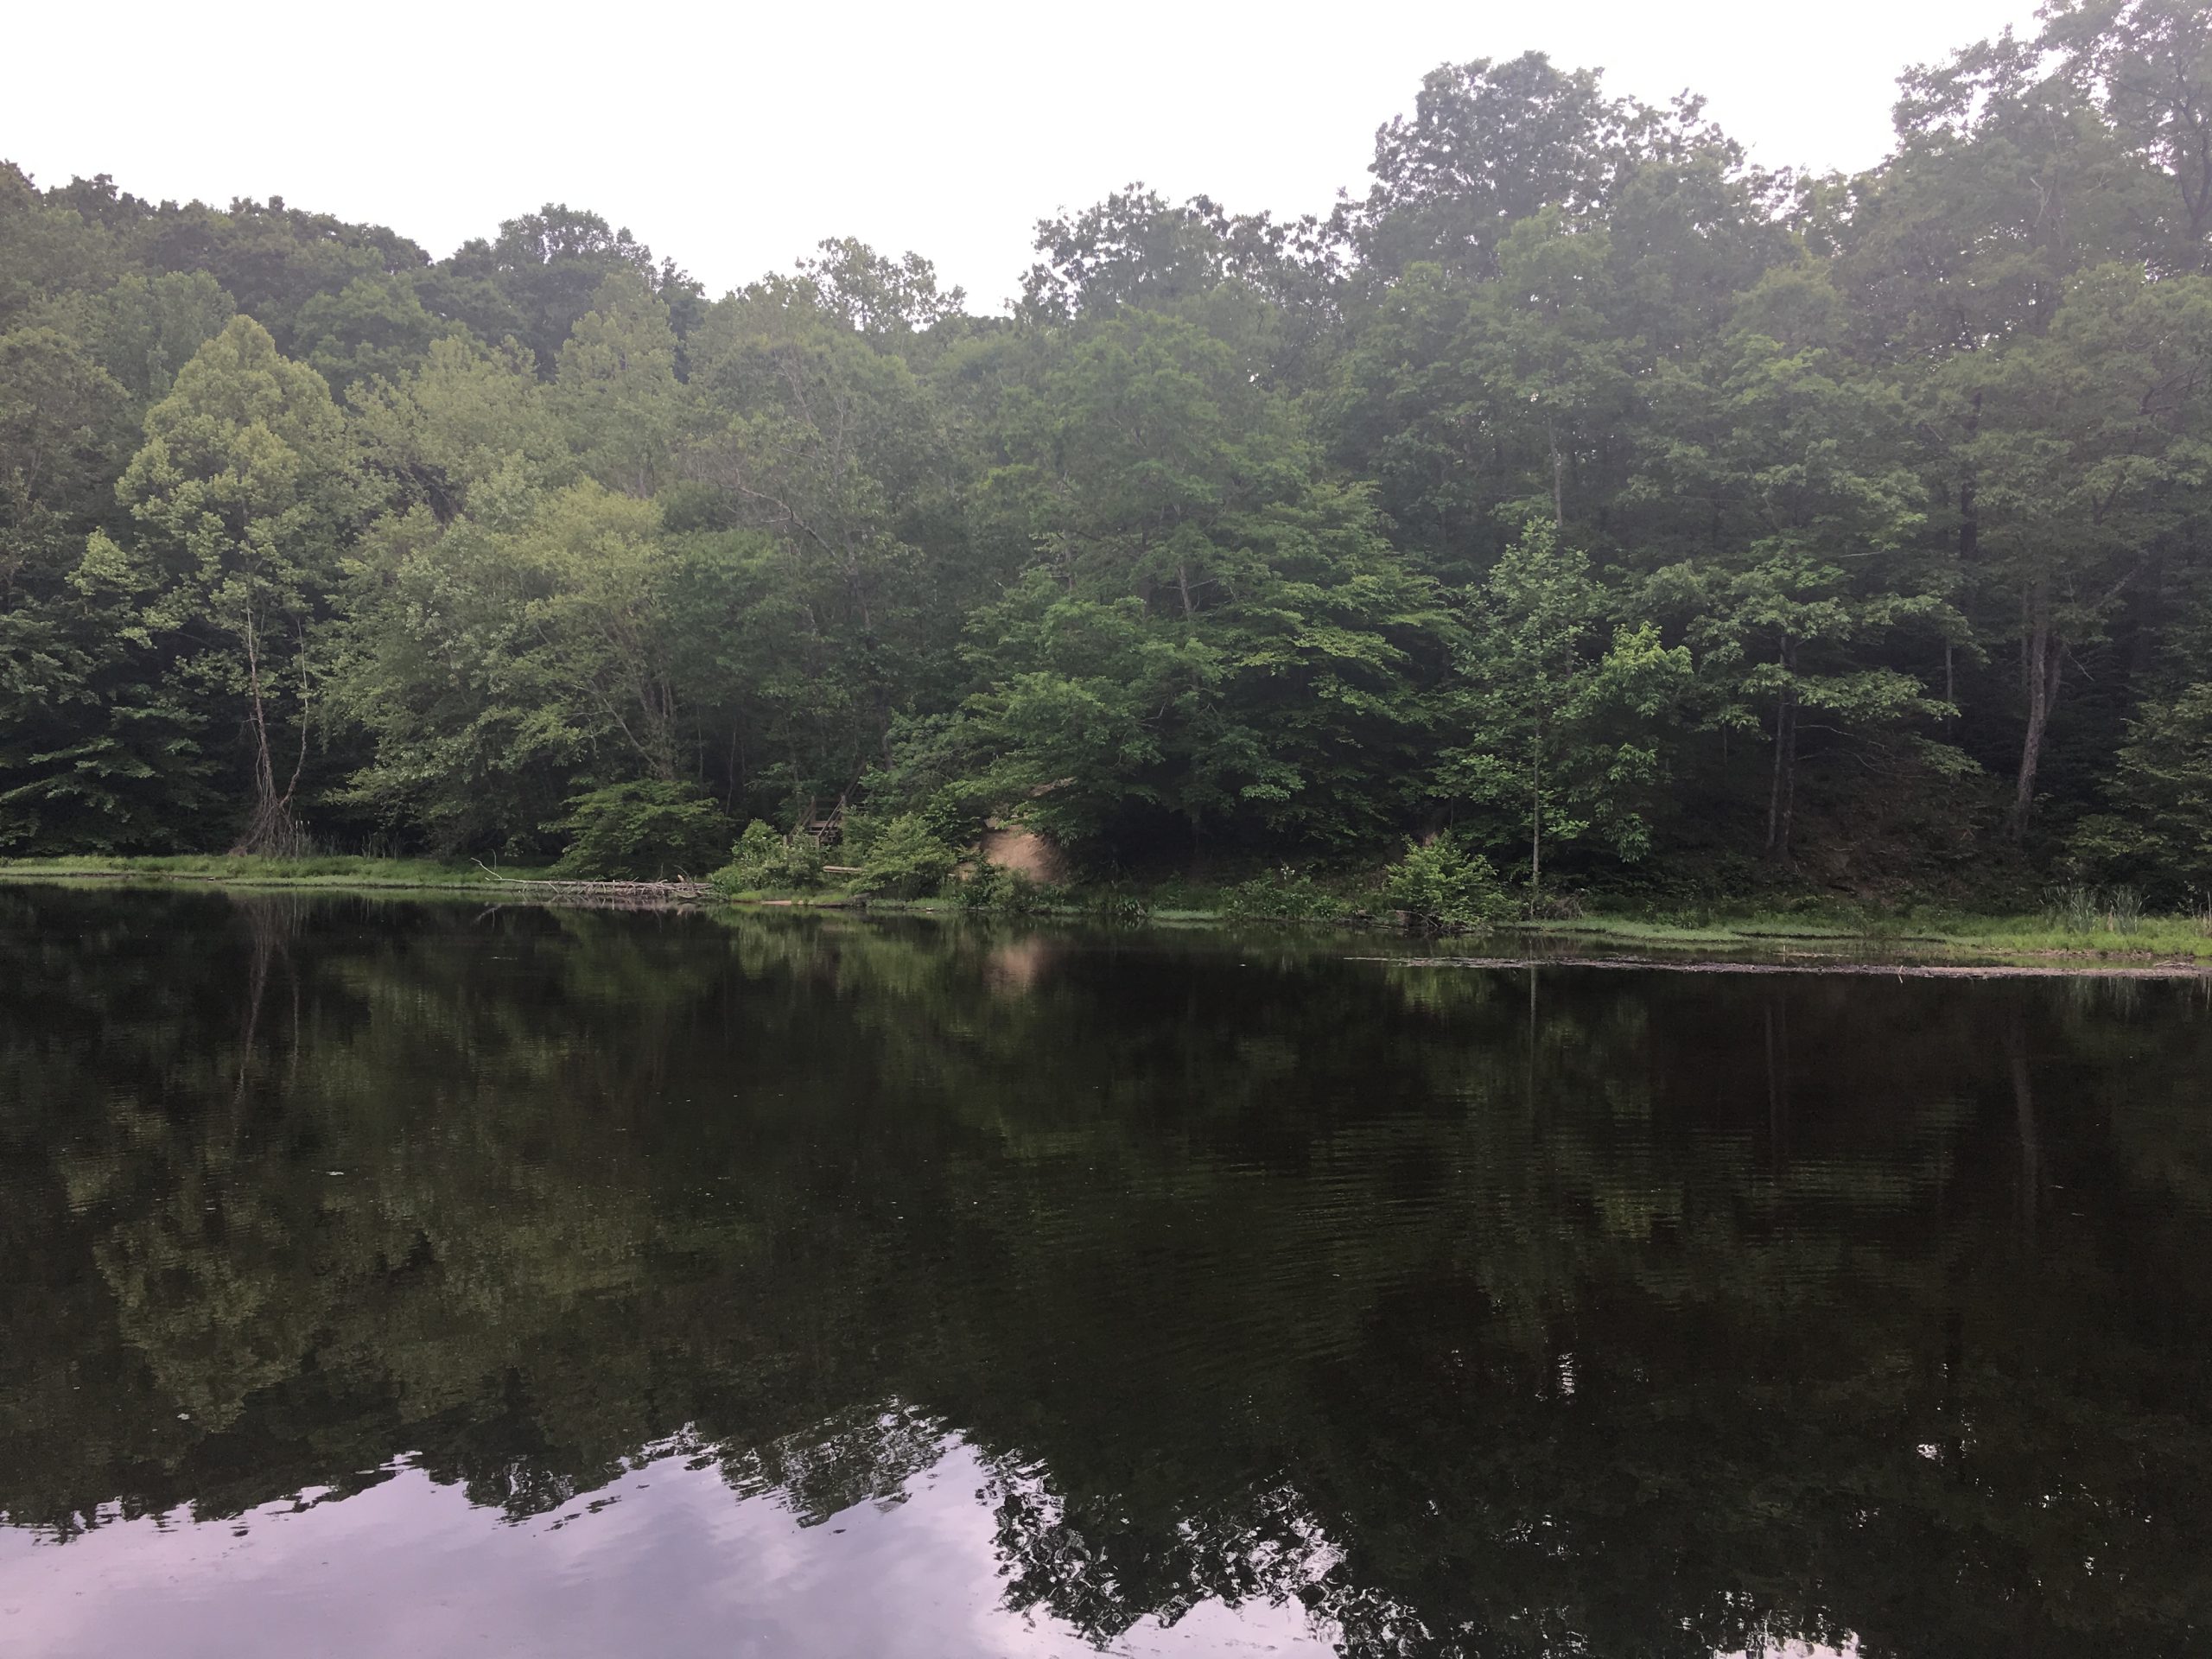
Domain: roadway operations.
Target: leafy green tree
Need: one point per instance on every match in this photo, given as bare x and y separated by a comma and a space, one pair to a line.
269, 258
763, 859
1213, 633
1556, 730
877, 296
464, 416
47, 251
245, 493
2161, 837
372, 328
2146, 65
906, 860
1489, 145
527, 645
2089, 453
1441, 883
91, 755
616, 387
144, 329
651, 831
831, 554
541, 273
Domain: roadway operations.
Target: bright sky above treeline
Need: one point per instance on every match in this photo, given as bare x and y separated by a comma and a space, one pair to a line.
735, 137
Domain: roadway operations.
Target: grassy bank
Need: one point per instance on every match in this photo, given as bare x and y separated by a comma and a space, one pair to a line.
2149, 938
1830, 931
404, 874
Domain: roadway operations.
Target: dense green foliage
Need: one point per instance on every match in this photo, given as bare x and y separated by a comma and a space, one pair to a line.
1643, 519
763, 860
905, 859
1441, 885
649, 831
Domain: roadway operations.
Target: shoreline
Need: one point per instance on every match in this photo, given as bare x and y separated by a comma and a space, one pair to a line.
1975, 947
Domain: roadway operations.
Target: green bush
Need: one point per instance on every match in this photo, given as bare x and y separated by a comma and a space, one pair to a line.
905, 859
1283, 895
763, 860
1116, 905
1001, 891
642, 832
1442, 886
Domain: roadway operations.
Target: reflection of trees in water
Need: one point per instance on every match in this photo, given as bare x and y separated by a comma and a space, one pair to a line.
1694, 1313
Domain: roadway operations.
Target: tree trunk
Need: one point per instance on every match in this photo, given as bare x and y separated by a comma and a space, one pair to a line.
1969, 546
1970, 493
1535, 828
1559, 479
2041, 656
1781, 791
269, 829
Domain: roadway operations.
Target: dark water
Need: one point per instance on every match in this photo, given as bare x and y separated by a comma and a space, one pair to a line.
408, 1279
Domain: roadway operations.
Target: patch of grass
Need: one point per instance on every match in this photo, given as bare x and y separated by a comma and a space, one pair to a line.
2144, 935
2060, 931
2113, 927
810, 898
312, 872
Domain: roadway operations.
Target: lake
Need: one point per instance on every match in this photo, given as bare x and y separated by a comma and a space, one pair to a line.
403, 1279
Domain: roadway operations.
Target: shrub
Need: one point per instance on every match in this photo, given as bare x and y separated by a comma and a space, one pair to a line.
1283, 895
1441, 886
995, 888
905, 859
763, 859
641, 832
1115, 905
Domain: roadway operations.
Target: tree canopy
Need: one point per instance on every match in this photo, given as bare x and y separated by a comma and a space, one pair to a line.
1759, 528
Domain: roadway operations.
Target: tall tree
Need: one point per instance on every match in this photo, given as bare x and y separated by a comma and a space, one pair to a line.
245, 493
1557, 729
2091, 453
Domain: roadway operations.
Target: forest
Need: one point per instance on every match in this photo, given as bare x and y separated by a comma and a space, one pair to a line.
1576, 493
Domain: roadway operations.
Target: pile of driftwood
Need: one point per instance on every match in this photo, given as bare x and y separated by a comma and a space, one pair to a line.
616, 895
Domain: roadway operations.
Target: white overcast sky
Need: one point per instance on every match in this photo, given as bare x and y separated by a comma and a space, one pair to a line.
734, 137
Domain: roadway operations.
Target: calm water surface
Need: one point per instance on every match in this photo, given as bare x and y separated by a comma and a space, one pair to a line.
396, 1279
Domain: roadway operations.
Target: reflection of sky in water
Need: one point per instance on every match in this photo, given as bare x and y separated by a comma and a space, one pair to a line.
674, 1566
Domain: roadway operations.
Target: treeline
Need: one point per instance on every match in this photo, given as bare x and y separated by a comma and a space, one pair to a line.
1581, 491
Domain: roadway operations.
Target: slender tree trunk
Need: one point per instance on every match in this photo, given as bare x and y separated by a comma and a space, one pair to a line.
1969, 546
2041, 656
1537, 827
1970, 493
1782, 790
1559, 478
269, 828
264, 772
1788, 785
